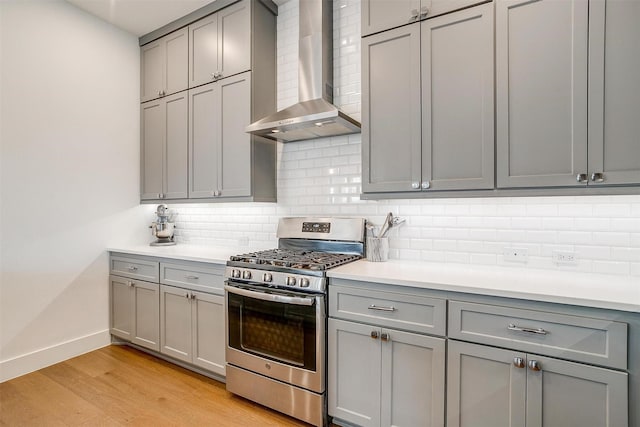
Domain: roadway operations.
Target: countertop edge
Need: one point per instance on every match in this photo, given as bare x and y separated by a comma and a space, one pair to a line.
364, 271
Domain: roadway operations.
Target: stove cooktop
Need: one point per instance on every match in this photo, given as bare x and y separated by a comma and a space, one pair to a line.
295, 259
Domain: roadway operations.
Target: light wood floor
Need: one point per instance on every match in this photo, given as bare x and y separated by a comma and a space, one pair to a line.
118, 386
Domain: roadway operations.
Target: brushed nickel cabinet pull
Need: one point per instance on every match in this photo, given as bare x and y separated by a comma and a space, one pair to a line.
376, 307
538, 331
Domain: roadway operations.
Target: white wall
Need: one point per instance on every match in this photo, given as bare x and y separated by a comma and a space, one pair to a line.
69, 177
322, 177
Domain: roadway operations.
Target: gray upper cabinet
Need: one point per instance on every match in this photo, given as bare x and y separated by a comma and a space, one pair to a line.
391, 145
164, 148
541, 92
614, 92
220, 150
457, 100
427, 113
220, 44
193, 143
164, 66
380, 15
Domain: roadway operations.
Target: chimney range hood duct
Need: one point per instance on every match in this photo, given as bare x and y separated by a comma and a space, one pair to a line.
314, 116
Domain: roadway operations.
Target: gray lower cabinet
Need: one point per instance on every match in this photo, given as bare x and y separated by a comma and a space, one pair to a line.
525, 383
614, 92
134, 311
427, 113
488, 387
180, 315
192, 327
383, 369
164, 146
385, 377
220, 150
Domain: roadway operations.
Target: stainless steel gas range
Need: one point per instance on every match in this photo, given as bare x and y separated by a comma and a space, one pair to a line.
276, 314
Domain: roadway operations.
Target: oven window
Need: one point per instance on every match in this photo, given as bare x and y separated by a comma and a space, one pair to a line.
278, 331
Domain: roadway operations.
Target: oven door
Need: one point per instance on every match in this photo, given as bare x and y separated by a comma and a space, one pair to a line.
277, 333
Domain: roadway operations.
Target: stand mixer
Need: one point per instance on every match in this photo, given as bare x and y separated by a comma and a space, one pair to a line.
162, 228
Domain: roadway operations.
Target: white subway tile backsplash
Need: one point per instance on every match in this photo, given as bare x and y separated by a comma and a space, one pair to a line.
322, 177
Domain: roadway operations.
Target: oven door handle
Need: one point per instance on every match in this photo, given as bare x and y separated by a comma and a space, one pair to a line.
270, 297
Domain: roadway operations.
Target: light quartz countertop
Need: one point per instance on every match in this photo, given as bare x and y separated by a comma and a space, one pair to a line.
563, 287
214, 255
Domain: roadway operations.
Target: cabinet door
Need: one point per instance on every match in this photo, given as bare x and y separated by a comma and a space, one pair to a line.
234, 157
175, 323
203, 50
152, 142
380, 15
614, 91
208, 332
391, 141
146, 301
176, 63
176, 146
457, 100
541, 92
234, 41
204, 128
413, 384
121, 307
152, 69
574, 395
485, 388
354, 373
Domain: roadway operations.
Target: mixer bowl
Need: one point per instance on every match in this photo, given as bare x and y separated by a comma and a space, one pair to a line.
162, 230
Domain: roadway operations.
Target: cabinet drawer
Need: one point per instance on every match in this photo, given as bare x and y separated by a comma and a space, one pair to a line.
196, 276
583, 339
135, 268
396, 310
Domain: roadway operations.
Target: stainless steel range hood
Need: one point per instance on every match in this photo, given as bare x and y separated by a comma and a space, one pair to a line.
314, 116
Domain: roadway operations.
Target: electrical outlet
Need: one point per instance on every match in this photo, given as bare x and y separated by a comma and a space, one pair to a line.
516, 254
564, 258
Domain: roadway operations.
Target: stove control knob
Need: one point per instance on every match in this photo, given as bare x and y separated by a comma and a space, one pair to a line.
246, 274
267, 277
291, 281
304, 282
235, 274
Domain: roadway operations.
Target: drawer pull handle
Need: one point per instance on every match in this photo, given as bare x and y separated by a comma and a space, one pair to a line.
133, 268
538, 331
374, 335
375, 307
191, 277
518, 362
385, 337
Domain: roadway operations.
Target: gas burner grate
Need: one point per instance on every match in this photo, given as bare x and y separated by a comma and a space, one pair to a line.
308, 260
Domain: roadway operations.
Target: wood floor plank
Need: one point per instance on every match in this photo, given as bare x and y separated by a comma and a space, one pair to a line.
121, 386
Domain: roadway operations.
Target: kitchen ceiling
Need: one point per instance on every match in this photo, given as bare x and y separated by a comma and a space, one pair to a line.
140, 17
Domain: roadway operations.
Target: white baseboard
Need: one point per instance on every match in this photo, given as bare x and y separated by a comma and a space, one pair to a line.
26, 363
